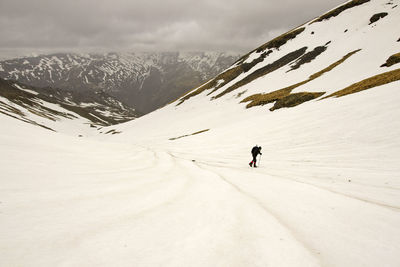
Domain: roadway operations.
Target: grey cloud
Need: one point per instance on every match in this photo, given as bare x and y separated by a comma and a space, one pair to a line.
79, 25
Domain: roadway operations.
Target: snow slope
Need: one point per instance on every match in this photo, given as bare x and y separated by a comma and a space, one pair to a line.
327, 197
174, 188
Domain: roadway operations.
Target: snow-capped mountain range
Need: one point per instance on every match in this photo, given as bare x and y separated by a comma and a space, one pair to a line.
144, 81
174, 187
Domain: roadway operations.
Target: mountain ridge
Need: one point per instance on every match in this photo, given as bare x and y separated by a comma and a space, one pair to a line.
314, 41
145, 81
49, 107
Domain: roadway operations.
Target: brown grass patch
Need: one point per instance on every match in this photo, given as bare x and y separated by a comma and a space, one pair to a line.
332, 66
247, 66
280, 40
241, 67
186, 135
393, 59
240, 94
113, 131
263, 99
374, 81
226, 77
308, 57
274, 43
296, 99
282, 98
339, 10
377, 17
265, 70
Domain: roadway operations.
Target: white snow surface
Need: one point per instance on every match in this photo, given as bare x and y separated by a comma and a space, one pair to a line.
24, 89
326, 193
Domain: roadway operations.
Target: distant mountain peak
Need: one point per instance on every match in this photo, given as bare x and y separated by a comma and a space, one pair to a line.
145, 81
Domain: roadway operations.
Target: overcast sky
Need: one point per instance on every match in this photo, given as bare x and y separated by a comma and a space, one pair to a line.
43, 26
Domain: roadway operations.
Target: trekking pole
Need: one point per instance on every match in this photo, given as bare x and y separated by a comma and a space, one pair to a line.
259, 161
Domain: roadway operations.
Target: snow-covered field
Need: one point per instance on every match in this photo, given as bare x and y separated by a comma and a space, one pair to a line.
326, 192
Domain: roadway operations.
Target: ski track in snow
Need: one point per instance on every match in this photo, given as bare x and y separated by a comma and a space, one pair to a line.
217, 170
395, 208
261, 205
246, 196
269, 173
137, 215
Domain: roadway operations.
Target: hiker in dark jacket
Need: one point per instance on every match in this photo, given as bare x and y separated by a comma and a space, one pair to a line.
255, 151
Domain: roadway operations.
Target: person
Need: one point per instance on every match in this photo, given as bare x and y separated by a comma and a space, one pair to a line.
255, 151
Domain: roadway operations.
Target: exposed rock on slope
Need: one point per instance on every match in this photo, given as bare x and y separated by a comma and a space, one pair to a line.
45, 106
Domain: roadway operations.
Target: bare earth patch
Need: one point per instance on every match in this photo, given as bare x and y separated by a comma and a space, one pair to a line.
340, 9
308, 57
186, 135
280, 40
224, 78
296, 99
263, 99
374, 81
377, 17
393, 59
241, 67
274, 43
265, 70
